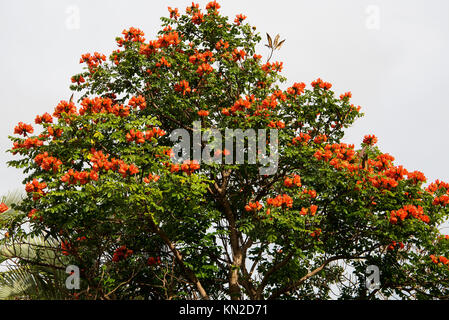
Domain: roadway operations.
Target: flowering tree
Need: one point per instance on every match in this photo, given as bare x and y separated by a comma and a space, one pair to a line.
102, 181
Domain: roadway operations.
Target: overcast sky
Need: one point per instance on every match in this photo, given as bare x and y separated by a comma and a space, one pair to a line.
392, 55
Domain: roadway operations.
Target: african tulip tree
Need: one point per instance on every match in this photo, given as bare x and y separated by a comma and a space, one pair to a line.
101, 179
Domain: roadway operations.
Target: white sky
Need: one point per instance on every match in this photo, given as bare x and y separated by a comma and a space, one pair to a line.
392, 55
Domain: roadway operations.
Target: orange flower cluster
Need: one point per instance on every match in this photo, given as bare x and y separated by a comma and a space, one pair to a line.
35, 187
150, 48
204, 57
213, 6
221, 44
28, 144
45, 118
394, 244
396, 173
318, 83
33, 214
304, 211
193, 8
303, 138
238, 55
275, 66
279, 95
168, 39
121, 253
239, 19
153, 261
370, 140
163, 41
189, 166
437, 185
346, 96
198, 18
83, 177
296, 181
336, 151
101, 162
183, 87
64, 107
3, 207
92, 61
135, 135
163, 62
54, 132
96, 105
409, 210
253, 206
47, 163
131, 35
174, 13
340, 156
150, 178
276, 124
204, 68
203, 113
240, 105
297, 89
138, 101
316, 233
440, 259
443, 190
280, 200
77, 79
120, 110
140, 137
320, 139
311, 193
416, 177
67, 248
381, 182
23, 128
442, 200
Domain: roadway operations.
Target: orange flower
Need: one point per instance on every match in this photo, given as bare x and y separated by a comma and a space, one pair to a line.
35, 186
239, 19
238, 55
296, 89
45, 118
174, 14
198, 18
318, 83
3, 207
203, 113
163, 62
183, 86
213, 6
193, 8
138, 101
253, 206
346, 96
23, 128
204, 69
370, 140
64, 107
190, 166
221, 44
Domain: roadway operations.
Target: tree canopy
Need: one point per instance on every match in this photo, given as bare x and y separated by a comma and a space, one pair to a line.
102, 182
